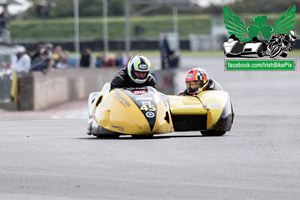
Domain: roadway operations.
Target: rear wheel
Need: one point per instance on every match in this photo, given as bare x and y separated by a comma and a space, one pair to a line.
283, 54
213, 133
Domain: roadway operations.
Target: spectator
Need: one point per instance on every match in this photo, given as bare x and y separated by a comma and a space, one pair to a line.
58, 55
165, 52
47, 53
4, 25
85, 60
98, 61
43, 8
36, 55
4, 19
47, 9
60, 58
45, 61
62, 64
173, 60
21, 61
110, 61
71, 61
120, 59
103, 59
39, 8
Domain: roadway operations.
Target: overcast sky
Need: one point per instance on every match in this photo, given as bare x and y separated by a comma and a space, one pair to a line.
208, 2
13, 9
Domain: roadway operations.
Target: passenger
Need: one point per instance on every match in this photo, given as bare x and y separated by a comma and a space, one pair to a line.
197, 80
136, 74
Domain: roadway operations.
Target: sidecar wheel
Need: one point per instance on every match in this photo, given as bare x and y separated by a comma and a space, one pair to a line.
260, 54
212, 133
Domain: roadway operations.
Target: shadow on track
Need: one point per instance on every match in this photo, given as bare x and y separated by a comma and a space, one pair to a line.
155, 137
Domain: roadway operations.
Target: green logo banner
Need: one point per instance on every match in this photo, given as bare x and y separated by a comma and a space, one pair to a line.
236, 26
260, 38
260, 65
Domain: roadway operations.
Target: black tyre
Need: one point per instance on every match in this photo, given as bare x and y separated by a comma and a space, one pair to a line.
108, 136
284, 54
260, 54
212, 133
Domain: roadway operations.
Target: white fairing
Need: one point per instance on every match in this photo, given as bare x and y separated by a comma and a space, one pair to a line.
93, 96
253, 46
217, 86
106, 87
91, 104
228, 46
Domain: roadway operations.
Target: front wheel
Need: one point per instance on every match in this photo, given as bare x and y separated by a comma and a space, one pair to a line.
212, 133
107, 136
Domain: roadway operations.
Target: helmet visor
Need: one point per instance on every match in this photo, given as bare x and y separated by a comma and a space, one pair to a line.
193, 85
141, 75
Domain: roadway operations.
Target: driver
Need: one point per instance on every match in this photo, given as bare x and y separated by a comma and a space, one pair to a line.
136, 74
197, 80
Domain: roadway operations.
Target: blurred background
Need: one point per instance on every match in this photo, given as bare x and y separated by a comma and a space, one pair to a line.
100, 34
129, 24
70, 48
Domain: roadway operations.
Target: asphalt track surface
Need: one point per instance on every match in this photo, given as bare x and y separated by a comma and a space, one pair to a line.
47, 154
